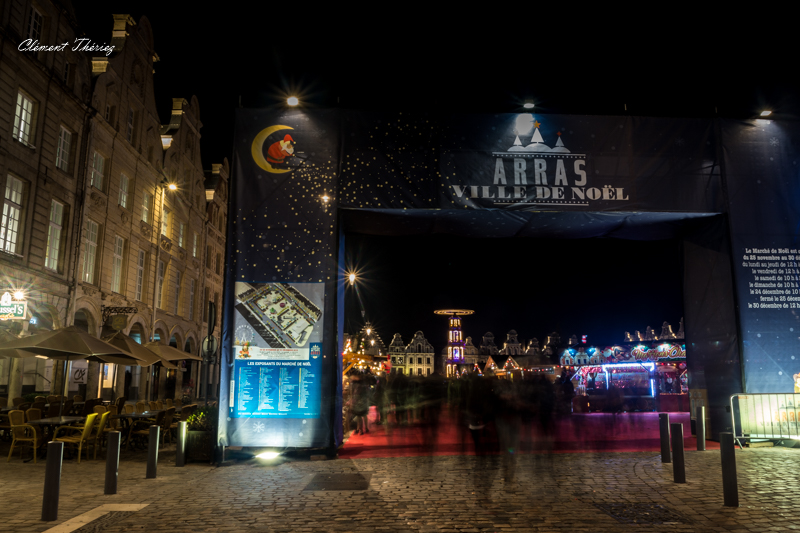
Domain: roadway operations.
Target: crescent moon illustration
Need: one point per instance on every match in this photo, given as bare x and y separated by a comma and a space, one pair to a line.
257, 149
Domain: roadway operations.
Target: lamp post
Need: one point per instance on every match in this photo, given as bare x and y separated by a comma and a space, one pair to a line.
157, 282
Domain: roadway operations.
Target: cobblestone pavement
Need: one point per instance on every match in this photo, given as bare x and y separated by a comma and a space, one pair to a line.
562, 492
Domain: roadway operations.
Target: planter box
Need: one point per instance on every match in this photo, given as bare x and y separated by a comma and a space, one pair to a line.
199, 446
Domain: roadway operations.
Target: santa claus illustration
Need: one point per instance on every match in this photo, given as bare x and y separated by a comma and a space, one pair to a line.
280, 150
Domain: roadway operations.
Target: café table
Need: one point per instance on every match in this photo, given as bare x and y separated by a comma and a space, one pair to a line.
130, 418
54, 421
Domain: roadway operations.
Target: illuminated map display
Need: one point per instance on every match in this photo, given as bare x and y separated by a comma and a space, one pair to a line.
277, 350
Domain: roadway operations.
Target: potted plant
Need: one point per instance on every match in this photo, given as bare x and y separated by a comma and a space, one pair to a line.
200, 434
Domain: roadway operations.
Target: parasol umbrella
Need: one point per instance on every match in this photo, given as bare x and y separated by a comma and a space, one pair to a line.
169, 353
6, 337
65, 344
145, 357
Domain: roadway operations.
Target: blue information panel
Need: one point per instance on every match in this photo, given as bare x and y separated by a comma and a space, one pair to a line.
271, 388
277, 351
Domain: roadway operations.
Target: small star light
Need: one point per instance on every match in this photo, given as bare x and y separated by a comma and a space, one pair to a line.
325, 197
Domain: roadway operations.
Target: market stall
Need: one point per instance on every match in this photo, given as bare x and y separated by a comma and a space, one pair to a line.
641, 377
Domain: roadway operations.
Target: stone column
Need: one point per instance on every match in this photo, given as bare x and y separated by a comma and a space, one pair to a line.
92, 376
15, 379
119, 387
162, 383
57, 378
144, 375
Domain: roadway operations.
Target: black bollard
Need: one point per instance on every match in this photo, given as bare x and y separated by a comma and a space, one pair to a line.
700, 425
52, 480
730, 485
152, 452
663, 427
678, 467
180, 453
112, 462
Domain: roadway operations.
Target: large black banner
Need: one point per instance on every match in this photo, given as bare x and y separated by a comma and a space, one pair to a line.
303, 179
762, 165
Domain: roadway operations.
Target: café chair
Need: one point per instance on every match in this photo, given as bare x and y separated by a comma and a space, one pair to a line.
99, 409
54, 409
178, 402
168, 402
85, 435
140, 407
144, 427
39, 405
153, 406
40, 399
52, 398
129, 408
77, 398
35, 414
68, 407
97, 436
24, 406
166, 426
22, 432
120, 403
17, 401
3, 402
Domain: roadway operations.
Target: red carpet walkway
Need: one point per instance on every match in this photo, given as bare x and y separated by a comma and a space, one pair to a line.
578, 433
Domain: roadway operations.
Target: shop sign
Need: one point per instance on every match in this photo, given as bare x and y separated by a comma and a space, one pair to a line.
12, 309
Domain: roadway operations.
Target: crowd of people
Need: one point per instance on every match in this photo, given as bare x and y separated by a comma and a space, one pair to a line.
492, 414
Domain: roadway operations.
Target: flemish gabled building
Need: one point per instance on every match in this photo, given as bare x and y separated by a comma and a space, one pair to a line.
128, 244
44, 121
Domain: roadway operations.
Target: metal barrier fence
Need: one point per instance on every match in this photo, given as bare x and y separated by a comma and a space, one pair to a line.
765, 416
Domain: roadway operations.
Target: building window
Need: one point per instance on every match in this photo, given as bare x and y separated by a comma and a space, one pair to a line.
208, 256
160, 282
35, 20
24, 119
130, 125
12, 213
165, 222
419, 360
98, 163
116, 265
428, 360
194, 245
181, 232
110, 112
191, 299
177, 293
218, 265
146, 201
141, 261
67, 72
429, 371
419, 371
62, 149
90, 251
54, 235
123, 191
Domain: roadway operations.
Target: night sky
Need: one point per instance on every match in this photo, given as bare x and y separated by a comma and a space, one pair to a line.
486, 61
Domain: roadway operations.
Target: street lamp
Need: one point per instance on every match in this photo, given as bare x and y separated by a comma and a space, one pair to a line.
292, 101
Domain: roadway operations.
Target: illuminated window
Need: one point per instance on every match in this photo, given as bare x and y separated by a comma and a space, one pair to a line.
54, 235
181, 232
90, 239
165, 222
96, 177
194, 245
12, 213
141, 261
123, 191
146, 202
130, 130
116, 264
62, 149
24, 117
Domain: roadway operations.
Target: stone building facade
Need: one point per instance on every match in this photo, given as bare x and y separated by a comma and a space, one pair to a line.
414, 359
101, 232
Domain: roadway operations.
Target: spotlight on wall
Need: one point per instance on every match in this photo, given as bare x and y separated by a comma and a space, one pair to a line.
766, 113
292, 101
